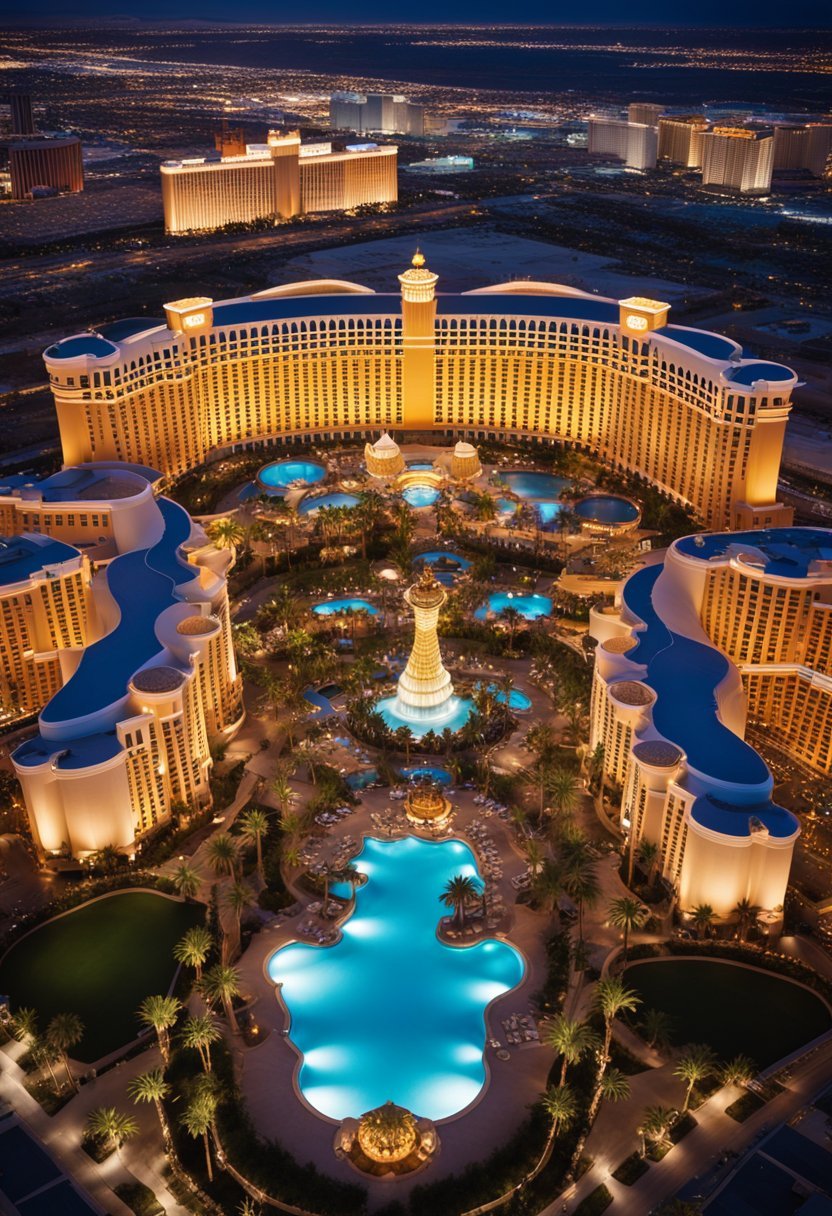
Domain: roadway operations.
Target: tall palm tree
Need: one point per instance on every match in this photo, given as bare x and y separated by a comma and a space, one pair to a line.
238, 897
580, 882
615, 1086
112, 1127
655, 1124
547, 884
152, 1087
739, 1071
744, 911
648, 855
540, 740
221, 851
45, 1054
611, 998
221, 983
458, 890
193, 949
702, 917
561, 1106
696, 1062
571, 1039
627, 914
404, 740
24, 1024
161, 1013
226, 534
512, 619
283, 793
563, 791
255, 825
199, 1032
656, 1027
186, 880
197, 1120
64, 1032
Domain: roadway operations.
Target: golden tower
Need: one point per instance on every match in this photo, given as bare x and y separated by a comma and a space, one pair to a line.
425, 684
418, 344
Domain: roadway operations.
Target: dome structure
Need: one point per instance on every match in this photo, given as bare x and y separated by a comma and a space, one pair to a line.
465, 462
388, 1133
383, 458
426, 804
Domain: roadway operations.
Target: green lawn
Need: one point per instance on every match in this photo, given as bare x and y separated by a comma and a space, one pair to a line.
731, 1008
100, 962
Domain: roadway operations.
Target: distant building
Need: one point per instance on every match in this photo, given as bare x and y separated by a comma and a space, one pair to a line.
680, 140
382, 113
806, 147
50, 164
633, 143
275, 181
644, 111
21, 117
230, 141
738, 158
443, 164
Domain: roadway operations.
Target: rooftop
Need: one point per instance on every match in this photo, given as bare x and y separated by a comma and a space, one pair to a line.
749, 373
658, 753
780, 552
733, 820
23, 556
82, 344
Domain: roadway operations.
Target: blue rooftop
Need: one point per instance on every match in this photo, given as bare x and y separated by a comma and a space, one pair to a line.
22, 556
284, 307
142, 584
117, 331
570, 308
733, 820
784, 552
684, 673
75, 753
85, 344
713, 346
746, 375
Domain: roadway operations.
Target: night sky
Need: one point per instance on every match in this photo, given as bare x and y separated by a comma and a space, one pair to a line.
752, 13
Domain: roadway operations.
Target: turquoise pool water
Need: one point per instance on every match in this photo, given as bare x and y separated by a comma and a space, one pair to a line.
333, 607
506, 506
314, 502
420, 496
284, 472
607, 509
421, 465
361, 780
543, 490
452, 715
440, 775
446, 565
530, 607
389, 1012
516, 698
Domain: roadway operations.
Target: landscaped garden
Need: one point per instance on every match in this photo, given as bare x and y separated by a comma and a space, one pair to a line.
735, 1010
99, 962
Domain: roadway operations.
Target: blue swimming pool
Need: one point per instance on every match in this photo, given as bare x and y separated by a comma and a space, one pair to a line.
606, 509
516, 699
335, 607
420, 465
440, 775
284, 473
451, 716
543, 490
420, 496
507, 506
446, 565
362, 780
530, 607
314, 502
389, 1012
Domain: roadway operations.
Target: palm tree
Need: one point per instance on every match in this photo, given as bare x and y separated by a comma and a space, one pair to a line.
702, 918
255, 825
739, 1071
193, 949
547, 884
110, 1126
222, 855
648, 855
615, 1087
563, 791
197, 1121
581, 883
186, 880
458, 890
744, 911
199, 1032
222, 983
540, 740
161, 1013
404, 740
64, 1032
655, 1124
512, 618
627, 914
561, 1106
238, 897
226, 534
349, 874
24, 1024
696, 1062
44, 1054
571, 1039
656, 1027
283, 793
152, 1087
611, 998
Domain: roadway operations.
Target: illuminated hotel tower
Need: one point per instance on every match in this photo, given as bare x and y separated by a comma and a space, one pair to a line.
424, 685
418, 341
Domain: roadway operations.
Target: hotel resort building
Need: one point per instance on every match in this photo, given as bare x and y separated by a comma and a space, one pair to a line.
134, 668
728, 631
678, 406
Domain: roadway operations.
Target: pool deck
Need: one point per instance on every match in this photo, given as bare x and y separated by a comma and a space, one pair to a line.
267, 1072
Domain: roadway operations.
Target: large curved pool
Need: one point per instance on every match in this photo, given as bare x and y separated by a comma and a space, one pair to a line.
419, 495
284, 473
530, 607
336, 607
543, 490
389, 1013
606, 509
314, 502
446, 565
428, 771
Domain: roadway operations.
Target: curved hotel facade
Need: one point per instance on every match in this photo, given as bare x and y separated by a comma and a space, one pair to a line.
727, 626
678, 406
147, 679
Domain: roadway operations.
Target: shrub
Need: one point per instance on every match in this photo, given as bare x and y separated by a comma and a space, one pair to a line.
631, 1169
140, 1198
745, 1106
597, 1201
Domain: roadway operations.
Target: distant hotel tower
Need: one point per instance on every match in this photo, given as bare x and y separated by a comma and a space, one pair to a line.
679, 406
804, 147
680, 140
276, 181
738, 159
379, 113
644, 112
631, 142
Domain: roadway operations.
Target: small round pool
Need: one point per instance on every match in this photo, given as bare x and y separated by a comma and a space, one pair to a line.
446, 565
285, 473
336, 607
362, 780
440, 775
419, 495
314, 502
530, 607
516, 699
610, 510
507, 506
